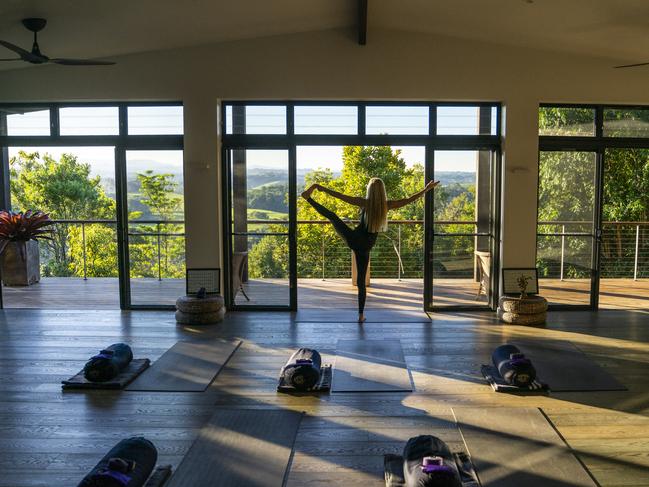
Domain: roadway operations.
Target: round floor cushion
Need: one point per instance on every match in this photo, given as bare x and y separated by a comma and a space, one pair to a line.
200, 318
192, 304
522, 319
527, 306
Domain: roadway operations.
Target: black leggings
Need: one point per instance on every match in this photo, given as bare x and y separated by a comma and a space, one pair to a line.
359, 240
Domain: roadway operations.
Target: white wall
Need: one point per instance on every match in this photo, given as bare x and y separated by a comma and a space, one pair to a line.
330, 65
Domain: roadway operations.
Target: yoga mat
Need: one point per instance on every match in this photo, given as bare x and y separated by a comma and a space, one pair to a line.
159, 476
248, 447
514, 447
350, 315
186, 367
135, 368
563, 367
370, 366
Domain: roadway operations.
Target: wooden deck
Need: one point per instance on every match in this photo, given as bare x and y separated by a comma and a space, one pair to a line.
50, 438
406, 294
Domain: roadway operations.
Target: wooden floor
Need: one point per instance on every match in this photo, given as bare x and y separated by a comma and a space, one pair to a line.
49, 438
405, 294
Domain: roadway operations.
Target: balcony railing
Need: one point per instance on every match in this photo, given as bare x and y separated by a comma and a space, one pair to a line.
104, 247
624, 248
399, 252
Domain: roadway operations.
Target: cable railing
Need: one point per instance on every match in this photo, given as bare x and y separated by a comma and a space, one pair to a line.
398, 253
624, 248
96, 241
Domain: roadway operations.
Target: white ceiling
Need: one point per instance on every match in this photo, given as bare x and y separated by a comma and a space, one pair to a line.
617, 29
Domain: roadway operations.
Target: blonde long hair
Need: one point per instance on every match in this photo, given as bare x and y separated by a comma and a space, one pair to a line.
376, 212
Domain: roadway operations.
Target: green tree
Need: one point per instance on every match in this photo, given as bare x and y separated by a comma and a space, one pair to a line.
66, 190
157, 192
268, 257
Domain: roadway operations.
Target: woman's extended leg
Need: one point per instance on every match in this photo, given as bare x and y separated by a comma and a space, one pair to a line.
362, 263
340, 226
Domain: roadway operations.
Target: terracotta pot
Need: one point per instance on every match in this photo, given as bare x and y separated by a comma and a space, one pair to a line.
21, 263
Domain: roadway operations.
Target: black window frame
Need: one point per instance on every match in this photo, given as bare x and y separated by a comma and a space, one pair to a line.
121, 142
289, 141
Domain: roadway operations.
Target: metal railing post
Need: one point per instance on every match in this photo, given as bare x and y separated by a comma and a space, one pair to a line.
637, 247
159, 265
83, 248
399, 254
323, 255
563, 249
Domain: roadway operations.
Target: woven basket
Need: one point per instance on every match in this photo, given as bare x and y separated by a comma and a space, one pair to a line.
200, 318
192, 304
522, 319
528, 306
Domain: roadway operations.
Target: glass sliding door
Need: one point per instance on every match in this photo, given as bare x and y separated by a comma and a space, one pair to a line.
258, 210
567, 215
75, 186
155, 226
624, 257
462, 247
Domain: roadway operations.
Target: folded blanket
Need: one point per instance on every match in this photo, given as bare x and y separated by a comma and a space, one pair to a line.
128, 375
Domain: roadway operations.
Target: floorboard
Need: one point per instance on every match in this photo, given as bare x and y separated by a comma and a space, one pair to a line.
50, 437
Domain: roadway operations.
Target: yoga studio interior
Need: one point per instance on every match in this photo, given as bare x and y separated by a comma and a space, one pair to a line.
357, 243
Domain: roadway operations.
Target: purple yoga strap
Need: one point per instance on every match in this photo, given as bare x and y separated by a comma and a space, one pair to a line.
102, 355
436, 469
520, 361
120, 477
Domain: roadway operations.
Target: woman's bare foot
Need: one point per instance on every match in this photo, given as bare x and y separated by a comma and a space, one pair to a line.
361, 317
306, 194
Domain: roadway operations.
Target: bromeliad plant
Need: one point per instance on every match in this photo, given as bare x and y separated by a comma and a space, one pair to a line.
21, 227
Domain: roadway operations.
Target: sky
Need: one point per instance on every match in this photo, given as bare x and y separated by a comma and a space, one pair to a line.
259, 119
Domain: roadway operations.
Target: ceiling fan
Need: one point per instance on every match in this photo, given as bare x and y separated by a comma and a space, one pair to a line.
631, 65
36, 57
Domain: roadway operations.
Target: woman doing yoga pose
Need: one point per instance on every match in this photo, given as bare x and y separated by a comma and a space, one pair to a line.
373, 219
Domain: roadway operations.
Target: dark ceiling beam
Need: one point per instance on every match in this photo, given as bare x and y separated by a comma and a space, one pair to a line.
362, 22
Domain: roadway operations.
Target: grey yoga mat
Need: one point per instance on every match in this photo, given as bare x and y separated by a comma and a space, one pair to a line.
248, 447
514, 447
563, 367
370, 366
186, 367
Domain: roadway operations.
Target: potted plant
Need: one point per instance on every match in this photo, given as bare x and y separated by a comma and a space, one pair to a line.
19, 235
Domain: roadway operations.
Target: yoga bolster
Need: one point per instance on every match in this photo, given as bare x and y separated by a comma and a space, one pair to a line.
512, 365
109, 363
302, 370
416, 455
138, 450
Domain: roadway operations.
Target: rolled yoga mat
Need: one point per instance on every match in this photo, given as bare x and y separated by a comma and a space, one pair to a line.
108, 363
302, 371
127, 464
513, 366
428, 462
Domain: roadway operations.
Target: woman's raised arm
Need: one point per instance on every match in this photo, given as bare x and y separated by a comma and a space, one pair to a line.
394, 204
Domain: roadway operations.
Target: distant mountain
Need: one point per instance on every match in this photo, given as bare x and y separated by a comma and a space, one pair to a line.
458, 177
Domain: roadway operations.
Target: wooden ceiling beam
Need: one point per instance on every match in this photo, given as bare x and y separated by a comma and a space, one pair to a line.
362, 22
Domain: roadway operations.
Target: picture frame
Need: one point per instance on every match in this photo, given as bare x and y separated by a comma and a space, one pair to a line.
209, 278
510, 280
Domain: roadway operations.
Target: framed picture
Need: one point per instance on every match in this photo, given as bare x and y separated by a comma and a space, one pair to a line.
511, 277
210, 279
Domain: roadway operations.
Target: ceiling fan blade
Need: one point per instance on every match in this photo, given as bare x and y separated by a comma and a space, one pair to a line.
631, 65
18, 50
24, 55
80, 62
